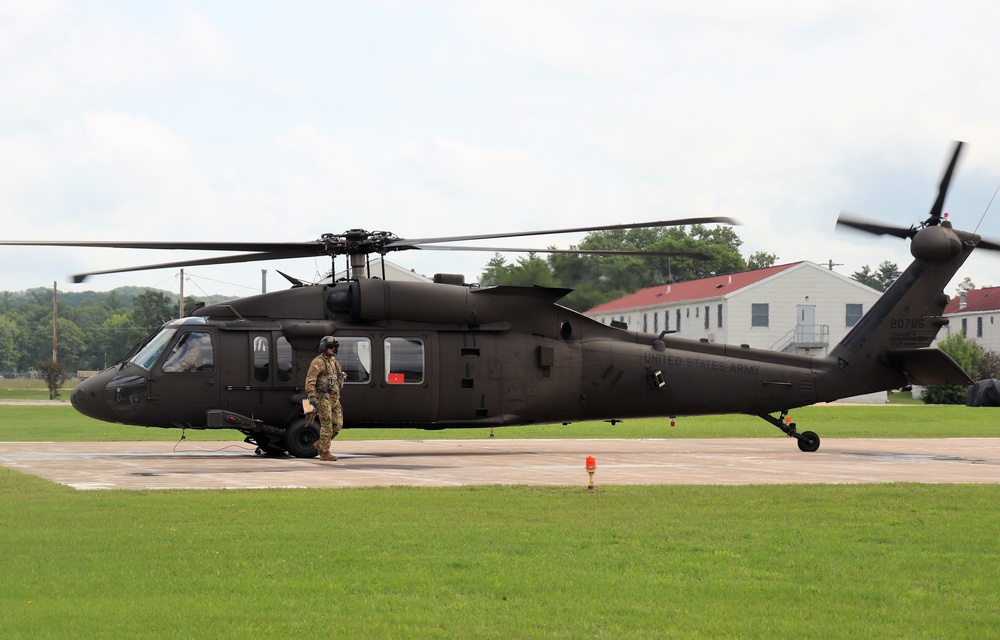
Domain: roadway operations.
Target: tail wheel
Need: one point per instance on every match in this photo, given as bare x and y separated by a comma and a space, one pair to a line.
299, 439
808, 441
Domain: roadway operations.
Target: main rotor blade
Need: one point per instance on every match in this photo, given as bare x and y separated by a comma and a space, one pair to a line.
403, 243
244, 257
989, 245
298, 248
863, 224
935, 216
593, 252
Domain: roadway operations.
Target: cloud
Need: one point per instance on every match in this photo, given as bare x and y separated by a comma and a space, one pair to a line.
217, 123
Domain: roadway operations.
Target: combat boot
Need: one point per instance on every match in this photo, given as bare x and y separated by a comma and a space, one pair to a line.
326, 455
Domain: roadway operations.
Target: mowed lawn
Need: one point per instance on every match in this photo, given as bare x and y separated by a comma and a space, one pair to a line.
60, 422
855, 561
861, 561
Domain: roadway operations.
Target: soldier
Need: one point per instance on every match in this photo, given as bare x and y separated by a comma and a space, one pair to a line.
323, 384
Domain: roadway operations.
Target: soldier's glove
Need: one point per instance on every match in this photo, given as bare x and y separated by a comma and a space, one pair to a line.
314, 401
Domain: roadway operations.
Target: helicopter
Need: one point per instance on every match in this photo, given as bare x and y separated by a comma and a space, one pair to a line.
444, 354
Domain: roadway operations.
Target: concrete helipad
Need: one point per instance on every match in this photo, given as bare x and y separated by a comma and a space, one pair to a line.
212, 465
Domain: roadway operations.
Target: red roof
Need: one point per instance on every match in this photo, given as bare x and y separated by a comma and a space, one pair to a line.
987, 299
713, 287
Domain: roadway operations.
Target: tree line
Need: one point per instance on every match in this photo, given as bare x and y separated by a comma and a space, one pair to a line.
598, 279
94, 328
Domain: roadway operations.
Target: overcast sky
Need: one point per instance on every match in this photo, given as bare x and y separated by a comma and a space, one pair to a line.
254, 121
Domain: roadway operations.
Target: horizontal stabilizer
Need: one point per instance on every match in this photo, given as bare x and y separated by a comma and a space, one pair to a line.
928, 366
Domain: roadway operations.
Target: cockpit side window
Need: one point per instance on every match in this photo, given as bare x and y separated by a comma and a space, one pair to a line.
193, 352
152, 350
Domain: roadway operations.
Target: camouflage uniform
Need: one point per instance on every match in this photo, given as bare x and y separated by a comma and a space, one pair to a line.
324, 382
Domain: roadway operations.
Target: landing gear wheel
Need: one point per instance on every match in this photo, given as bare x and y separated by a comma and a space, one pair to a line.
808, 441
299, 439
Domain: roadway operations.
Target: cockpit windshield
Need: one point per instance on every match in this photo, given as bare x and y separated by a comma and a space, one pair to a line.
152, 350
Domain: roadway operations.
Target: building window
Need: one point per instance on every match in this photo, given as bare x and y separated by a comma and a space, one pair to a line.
759, 314
720, 316
678, 328
979, 327
965, 327
666, 320
853, 314
706, 317
645, 323
656, 322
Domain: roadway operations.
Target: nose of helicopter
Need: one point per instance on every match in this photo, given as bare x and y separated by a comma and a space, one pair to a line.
89, 399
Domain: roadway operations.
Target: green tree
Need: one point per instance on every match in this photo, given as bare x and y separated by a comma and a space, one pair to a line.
496, 272
966, 285
967, 354
988, 366
10, 338
54, 374
114, 338
761, 260
531, 270
152, 309
596, 279
73, 346
881, 279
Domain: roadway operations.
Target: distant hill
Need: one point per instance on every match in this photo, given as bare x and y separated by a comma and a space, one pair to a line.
77, 298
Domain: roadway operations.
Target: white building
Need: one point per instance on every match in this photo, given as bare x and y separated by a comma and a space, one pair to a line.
976, 314
391, 271
800, 307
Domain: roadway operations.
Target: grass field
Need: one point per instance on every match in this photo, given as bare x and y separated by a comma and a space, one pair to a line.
864, 561
869, 561
60, 422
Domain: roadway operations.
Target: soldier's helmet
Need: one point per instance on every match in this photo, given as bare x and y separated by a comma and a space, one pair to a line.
327, 342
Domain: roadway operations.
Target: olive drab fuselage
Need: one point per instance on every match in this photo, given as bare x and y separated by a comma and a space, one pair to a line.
435, 356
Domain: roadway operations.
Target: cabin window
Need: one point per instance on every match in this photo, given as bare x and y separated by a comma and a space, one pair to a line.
355, 358
284, 352
404, 360
854, 313
193, 352
261, 359
759, 314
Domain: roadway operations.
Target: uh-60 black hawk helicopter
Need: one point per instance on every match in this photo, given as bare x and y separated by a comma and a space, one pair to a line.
444, 355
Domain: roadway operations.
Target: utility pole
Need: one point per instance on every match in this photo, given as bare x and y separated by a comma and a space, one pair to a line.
55, 321
831, 264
